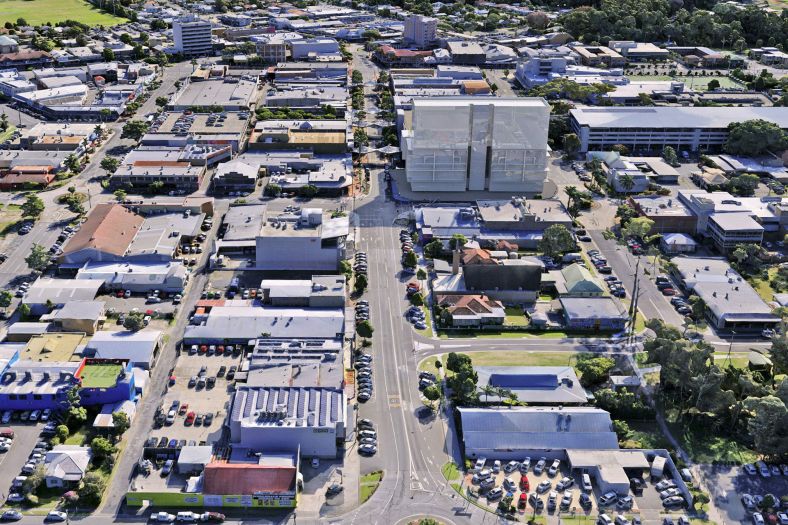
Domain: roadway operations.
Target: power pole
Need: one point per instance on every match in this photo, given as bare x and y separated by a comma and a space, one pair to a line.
633, 306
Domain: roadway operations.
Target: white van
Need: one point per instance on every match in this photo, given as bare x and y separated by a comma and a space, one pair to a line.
587, 483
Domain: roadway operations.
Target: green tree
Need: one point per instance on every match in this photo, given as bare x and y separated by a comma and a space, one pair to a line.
62, 432
744, 184
73, 164
669, 154
34, 480
754, 137
4, 122
420, 275
698, 307
594, 370
108, 54
417, 299
571, 144
155, 187
102, 447
272, 189
411, 260
33, 206
120, 195
134, 130
77, 416
768, 425
356, 77
346, 269
433, 249
91, 488
556, 240
713, 84
360, 284
120, 422
38, 259
365, 329
620, 149
779, 353
626, 213
457, 240
134, 321
5, 298
627, 182
432, 393
162, 101
308, 191
638, 227
360, 138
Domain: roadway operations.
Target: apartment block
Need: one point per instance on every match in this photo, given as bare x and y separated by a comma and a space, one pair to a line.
192, 36
420, 30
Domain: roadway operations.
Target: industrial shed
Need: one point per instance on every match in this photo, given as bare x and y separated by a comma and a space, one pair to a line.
514, 433
610, 469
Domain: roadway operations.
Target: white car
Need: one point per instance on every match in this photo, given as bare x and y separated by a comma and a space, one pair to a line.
6, 417
45, 415
15, 497
757, 518
553, 470
510, 467
187, 517
56, 515
34, 415
163, 517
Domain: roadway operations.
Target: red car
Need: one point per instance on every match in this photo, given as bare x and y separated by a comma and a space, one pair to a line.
668, 291
524, 485
183, 409
523, 499
190, 418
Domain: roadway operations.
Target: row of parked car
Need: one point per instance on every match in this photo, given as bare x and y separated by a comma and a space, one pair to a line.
367, 437
363, 367
599, 262
37, 457
26, 415
187, 517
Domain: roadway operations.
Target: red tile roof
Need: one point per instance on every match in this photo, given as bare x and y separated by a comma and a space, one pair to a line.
247, 478
110, 228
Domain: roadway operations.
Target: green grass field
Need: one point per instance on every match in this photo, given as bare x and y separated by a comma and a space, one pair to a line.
369, 484
38, 12
100, 376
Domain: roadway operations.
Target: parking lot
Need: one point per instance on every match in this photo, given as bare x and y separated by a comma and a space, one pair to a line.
209, 396
12, 461
644, 505
729, 485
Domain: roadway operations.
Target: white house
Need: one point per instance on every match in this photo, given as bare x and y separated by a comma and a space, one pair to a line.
66, 465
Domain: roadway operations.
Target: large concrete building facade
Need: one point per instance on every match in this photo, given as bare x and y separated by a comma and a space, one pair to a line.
420, 30
468, 144
192, 36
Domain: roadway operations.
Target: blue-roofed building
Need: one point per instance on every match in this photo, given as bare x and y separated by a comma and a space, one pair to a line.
519, 432
535, 385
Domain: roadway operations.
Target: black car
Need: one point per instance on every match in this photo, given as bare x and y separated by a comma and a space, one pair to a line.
222, 370
207, 420
231, 372
211, 382
151, 443
163, 442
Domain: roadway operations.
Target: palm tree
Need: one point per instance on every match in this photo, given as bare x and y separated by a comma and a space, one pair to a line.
98, 130
512, 397
488, 390
627, 182
194, 64
3, 122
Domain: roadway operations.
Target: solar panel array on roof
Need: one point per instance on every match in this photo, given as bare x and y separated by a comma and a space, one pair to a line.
524, 380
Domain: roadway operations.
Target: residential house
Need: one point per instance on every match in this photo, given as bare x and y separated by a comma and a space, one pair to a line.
66, 465
593, 313
471, 310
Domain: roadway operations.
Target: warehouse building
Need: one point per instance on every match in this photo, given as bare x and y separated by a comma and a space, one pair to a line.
286, 419
514, 433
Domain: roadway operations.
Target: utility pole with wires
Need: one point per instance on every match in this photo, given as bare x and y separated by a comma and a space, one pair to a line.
633, 306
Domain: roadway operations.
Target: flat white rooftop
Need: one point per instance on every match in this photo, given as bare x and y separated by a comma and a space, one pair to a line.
676, 117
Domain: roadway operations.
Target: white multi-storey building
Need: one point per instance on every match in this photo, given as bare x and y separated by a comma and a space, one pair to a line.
467, 143
192, 35
420, 30
653, 128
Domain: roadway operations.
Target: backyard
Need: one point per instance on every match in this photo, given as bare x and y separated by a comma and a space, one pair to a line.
38, 12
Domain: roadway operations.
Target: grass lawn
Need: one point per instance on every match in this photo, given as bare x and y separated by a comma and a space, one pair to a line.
510, 334
515, 317
702, 83
10, 215
647, 433
100, 375
764, 287
428, 364
641, 78
38, 12
450, 471
520, 358
78, 437
738, 359
7, 133
369, 484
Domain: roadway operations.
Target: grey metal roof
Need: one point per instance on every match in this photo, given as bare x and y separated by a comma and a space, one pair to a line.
537, 428
592, 308
288, 407
671, 117
137, 347
534, 384
90, 310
